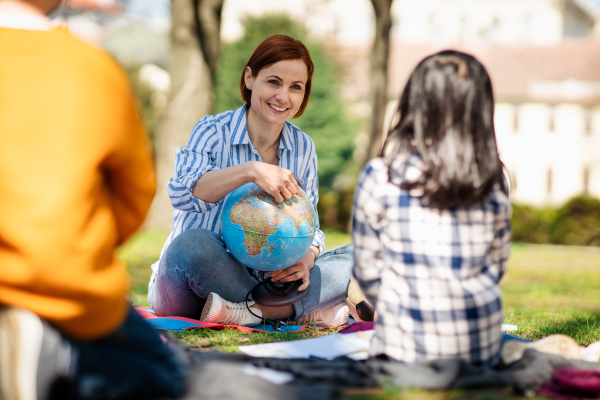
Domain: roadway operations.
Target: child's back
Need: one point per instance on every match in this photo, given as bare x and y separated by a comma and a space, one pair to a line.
432, 220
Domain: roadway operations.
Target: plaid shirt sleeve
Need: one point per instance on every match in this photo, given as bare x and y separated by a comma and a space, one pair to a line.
368, 262
434, 272
500, 248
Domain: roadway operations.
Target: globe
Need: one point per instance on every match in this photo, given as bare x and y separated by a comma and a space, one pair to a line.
265, 235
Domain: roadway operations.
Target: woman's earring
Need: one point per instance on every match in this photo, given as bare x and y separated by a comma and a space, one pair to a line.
413, 142
428, 141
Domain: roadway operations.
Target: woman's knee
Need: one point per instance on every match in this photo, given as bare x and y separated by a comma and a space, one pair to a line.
193, 248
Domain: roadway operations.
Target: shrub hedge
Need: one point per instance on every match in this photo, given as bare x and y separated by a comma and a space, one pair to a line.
575, 223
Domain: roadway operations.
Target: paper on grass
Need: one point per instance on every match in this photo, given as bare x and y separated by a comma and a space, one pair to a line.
326, 347
508, 328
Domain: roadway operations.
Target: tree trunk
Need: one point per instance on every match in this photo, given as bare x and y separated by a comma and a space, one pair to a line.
195, 45
379, 76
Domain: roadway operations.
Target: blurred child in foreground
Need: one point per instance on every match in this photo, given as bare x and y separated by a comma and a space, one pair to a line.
432, 220
76, 180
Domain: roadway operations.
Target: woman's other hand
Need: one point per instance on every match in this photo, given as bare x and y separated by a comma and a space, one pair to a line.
278, 182
300, 270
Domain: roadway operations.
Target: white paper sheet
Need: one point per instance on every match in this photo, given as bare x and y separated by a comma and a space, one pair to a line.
508, 328
326, 347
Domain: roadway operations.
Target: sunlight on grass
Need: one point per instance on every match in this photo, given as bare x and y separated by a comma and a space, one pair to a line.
137, 255
336, 239
553, 289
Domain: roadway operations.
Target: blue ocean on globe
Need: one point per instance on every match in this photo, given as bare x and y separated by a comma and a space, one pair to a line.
264, 235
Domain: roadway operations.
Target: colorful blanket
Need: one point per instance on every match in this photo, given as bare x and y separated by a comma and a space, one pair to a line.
181, 323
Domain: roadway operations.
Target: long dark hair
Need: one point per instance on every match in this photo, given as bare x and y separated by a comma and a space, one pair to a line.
446, 116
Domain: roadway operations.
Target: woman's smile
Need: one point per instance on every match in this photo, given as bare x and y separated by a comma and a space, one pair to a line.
278, 109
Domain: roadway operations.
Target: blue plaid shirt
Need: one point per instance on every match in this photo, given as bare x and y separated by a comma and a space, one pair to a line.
220, 141
432, 273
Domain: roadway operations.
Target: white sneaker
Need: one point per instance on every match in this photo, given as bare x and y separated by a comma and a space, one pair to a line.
333, 316
591, 353
32, 355
562, 345
220, 311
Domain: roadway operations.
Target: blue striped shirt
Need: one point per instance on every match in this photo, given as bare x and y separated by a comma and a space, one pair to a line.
221, 141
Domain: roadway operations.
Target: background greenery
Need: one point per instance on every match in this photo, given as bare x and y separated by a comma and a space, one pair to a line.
575, 223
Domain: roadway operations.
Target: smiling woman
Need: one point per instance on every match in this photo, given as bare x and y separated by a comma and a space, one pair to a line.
196, 275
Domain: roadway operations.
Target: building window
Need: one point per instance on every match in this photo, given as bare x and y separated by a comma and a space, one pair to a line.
551, 118
549, 182
586, 180
516, 119
512, 181
587, 122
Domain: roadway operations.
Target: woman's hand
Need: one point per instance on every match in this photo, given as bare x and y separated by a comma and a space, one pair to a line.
278, 182
300, 270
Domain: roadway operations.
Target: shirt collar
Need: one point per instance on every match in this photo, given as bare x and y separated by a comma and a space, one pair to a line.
285, 141
239, 128
24, 20
240, 131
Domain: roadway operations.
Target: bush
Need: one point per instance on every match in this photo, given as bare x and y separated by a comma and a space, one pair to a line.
531, 225
575, 223
578, 222
335, 209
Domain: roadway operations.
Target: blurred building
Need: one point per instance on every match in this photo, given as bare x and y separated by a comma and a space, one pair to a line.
544, 60
499, 22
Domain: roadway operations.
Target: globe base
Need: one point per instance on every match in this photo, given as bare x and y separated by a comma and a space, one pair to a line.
278, 294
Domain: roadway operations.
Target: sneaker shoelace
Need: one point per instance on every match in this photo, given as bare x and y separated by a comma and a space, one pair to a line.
235, 313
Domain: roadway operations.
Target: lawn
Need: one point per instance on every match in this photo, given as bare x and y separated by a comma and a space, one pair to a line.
546, 290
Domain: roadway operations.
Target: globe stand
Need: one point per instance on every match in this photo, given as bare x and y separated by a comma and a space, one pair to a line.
278, 294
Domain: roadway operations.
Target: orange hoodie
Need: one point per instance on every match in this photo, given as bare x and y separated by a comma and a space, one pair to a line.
76, 179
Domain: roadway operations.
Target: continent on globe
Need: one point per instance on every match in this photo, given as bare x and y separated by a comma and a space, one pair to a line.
256, 225
264, 234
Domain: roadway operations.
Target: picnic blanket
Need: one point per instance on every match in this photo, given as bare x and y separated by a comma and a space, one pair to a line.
319, 379
181, 323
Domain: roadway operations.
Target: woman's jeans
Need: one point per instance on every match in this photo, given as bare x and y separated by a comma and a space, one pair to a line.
197, 263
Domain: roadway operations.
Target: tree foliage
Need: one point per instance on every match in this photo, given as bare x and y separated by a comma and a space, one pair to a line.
324, 120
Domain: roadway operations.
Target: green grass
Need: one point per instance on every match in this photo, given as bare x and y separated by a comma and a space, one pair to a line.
553, 289
546, 290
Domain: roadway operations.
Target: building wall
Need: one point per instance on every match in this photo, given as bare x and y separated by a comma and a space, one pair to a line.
551, 150
507, 22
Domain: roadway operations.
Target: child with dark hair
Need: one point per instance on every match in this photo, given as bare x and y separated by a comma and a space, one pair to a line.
432, 219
